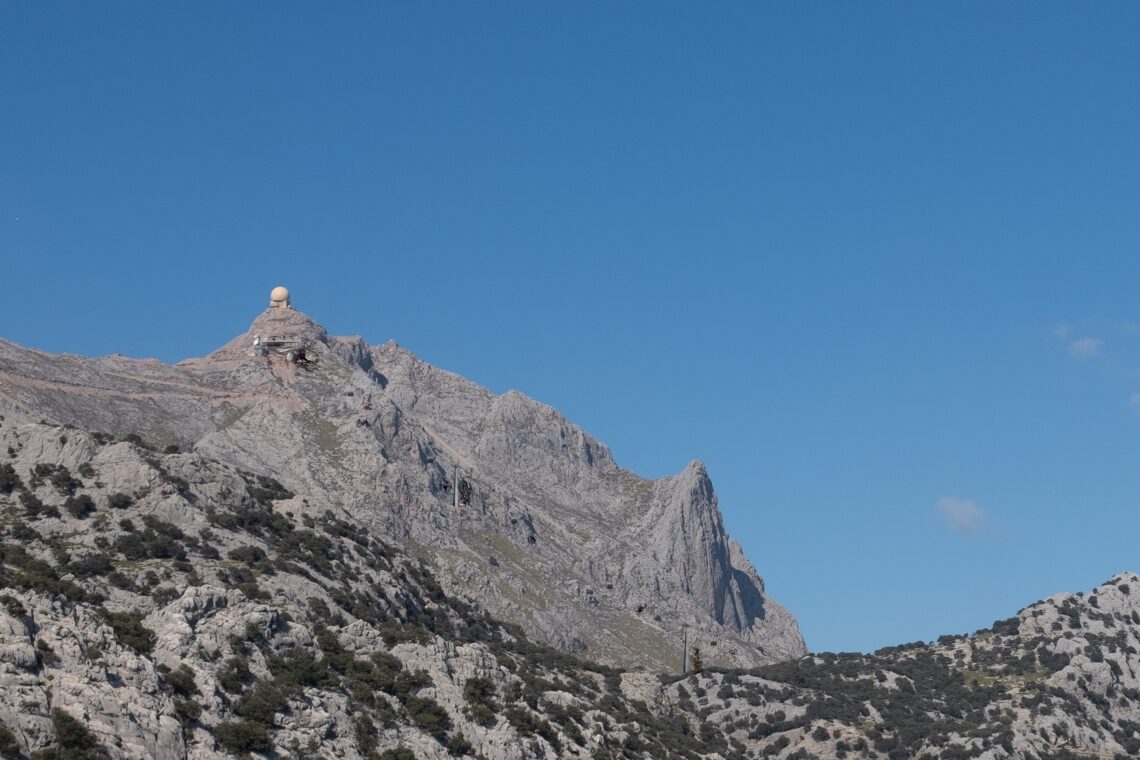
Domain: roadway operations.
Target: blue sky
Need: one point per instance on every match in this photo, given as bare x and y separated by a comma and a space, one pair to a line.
875, 264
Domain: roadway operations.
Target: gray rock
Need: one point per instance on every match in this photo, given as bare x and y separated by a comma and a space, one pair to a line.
552, 534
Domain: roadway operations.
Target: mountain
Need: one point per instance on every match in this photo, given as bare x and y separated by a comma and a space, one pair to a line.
550, 532
169, 605
262, 552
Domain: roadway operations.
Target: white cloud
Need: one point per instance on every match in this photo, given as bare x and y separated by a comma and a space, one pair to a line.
1134, 402
1062, 331
1086, 348
961, 515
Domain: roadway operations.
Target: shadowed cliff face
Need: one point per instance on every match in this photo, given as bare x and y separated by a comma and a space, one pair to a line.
549, 531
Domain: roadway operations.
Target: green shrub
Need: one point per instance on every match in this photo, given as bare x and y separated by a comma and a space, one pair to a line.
428, 716
47, 656
249, 555
91, 566
21, 532
399, 753
365, 734
9, 746
63, 482
130, 631
160, 540
9, 480
480, 694
299, 667
262, 702
234, 675
164, 596
181, 681
72, 741
238, 736
187, 711
119, 501
484, 715
13, 605
458, 745
33, 507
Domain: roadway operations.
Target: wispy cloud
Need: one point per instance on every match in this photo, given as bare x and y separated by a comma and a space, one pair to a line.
1134, 402
1086, 348
1063, 330
961, 515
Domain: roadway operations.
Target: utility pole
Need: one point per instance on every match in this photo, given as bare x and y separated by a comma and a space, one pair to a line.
685, 654
455, 486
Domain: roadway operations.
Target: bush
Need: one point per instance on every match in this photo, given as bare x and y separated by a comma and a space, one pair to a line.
9, 747
79, 506
480, 694
187, 711
458, 745
262, 702
234, 675
13, 605
63, 482
91, 566
181, 681
249, 555
238, 736
9, 480
164, 596
72, 741
119, 501
399, 753
428, 716
33, 507
365, 734
137, 440
130, 631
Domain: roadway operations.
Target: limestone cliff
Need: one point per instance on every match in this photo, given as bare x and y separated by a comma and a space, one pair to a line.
550, 532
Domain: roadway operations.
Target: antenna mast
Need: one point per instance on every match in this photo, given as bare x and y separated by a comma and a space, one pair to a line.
685, 653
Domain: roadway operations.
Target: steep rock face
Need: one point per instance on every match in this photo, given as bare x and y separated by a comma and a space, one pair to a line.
549, 530
173, 606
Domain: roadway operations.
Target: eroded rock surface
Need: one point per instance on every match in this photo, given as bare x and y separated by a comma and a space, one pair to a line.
550, 532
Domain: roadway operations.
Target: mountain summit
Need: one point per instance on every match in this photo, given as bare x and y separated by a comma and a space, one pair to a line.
507, 501
273, 551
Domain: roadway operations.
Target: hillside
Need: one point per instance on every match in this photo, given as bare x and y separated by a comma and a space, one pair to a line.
547, 531
303, 546
164, 604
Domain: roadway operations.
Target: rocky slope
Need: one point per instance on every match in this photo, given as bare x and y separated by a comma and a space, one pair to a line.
549, 531
170, 605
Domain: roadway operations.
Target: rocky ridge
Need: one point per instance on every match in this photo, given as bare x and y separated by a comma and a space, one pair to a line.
165, 604
550, 532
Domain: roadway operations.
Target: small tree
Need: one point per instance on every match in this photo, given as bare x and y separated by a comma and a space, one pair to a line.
696, 661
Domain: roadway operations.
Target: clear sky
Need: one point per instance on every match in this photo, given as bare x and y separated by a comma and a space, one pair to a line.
876, 264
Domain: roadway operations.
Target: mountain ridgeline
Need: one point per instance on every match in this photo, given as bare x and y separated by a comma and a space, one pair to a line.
547, 531
302, 546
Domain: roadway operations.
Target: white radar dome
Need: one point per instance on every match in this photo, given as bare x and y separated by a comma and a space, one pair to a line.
279, 296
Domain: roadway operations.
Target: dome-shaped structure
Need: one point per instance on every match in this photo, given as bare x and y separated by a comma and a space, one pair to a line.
279, 298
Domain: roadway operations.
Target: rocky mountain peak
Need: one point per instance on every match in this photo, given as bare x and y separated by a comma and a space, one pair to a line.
514, 506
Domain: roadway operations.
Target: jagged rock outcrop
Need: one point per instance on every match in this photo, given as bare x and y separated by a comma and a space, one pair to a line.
169, 597
169, 605
550, 532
